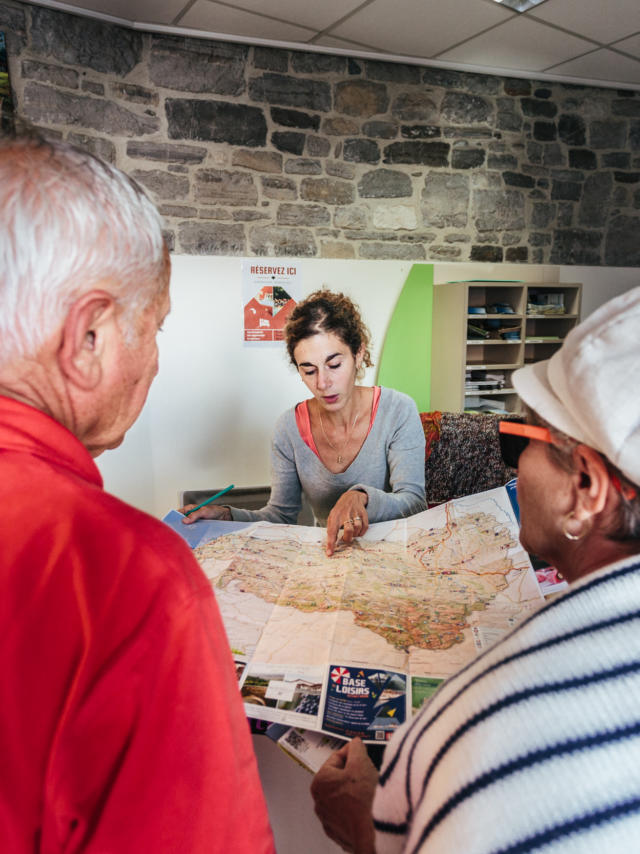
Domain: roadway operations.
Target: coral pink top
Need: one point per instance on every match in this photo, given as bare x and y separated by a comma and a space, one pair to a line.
304, 422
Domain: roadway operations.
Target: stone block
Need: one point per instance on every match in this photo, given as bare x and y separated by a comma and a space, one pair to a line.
460, 108
285, 91
219, 186
608, 134
45, 105
250, 215
270, 59
309, 215
516, 87
198, 65
394, 217
534, 108
295, 119
594, 208
444, 253
517, 179
135, 94
487, 254
626, 177
303, 166
420, 131
517, 255
457, 238
318, 146
582, 158
615, 160
392, 251
339, 169
197, 238
392, 72
445, 200
545, 131
361, 151
162, 185
502, 162
291, 142
508, 121
260, 161
554, 154
380, 129
478, 84
629, 107
542, 214
166, 152
336, 249
99, 146
275, 241
634, 136
498, 210
351, 217
384, 184
45, 72
564, 218
327, 190
85, 42
467, 158
303, 62
423, 153
14, 23
215, 121
181, 211
279, 188
576, 246
415, 107
361, 98
572, 130
566, 190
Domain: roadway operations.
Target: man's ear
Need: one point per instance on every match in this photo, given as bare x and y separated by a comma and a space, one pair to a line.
85, 337
592, 482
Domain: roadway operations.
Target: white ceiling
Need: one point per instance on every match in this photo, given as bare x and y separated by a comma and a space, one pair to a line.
581, 41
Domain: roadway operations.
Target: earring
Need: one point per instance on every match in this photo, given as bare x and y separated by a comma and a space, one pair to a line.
565, 528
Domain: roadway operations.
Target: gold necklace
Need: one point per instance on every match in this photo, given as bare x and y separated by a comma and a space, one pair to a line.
344, 444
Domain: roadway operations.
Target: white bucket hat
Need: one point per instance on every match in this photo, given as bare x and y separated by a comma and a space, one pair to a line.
590, 388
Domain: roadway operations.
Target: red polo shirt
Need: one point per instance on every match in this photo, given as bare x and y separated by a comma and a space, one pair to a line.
121, 726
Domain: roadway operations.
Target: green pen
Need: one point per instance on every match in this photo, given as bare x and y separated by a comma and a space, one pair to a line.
209, 500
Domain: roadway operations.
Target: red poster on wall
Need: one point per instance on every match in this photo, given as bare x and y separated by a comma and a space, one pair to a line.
270, 290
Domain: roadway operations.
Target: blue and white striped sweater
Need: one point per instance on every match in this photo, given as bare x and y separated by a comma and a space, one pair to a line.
535, 745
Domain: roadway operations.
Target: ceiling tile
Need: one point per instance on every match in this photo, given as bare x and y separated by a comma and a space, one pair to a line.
317, 16
520, 44
602, 65
143, 11
216, 18
603, 21
419, 27
631, 45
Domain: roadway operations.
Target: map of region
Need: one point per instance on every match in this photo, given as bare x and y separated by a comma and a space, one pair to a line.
417, 596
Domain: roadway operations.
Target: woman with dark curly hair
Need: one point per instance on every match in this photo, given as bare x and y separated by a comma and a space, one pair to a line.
357, 452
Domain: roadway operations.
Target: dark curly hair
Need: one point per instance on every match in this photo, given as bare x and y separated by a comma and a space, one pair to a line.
325, 311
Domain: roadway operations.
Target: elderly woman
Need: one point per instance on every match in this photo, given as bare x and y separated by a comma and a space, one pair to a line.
536, 744
357, 452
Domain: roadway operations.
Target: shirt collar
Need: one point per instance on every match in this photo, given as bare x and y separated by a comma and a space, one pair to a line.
25, 429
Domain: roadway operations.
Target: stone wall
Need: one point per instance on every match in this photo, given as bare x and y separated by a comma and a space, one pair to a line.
254, 151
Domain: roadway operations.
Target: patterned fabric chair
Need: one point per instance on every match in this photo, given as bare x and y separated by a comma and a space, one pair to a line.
462, 454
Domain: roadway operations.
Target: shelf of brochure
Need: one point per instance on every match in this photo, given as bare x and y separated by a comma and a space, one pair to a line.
483, 331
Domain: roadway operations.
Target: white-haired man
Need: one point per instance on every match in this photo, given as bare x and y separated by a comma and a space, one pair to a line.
121, 727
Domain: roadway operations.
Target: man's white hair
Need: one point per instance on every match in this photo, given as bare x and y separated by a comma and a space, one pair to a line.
69, 221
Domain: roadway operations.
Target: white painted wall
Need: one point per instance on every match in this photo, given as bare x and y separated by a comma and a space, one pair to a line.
210, 412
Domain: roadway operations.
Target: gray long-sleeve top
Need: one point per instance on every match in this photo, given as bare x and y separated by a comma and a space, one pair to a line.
389, 467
